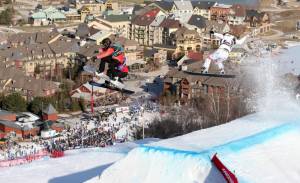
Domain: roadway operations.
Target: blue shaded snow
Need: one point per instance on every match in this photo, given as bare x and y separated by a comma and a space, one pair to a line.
234, 146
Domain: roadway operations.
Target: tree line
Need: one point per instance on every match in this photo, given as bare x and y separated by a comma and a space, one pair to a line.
61, 101
199, 113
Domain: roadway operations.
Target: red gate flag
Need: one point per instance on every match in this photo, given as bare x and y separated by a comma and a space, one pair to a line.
227, 174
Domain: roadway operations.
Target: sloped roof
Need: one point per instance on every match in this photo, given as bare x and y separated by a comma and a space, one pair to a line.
164, 5
182, 17
216, 81
216, 26
49, 110
203, 4
88, 50
219, 5
198, 21
51, 9
65, 45
147, 18
49, 13
101, 34
183, 31
39, 15
184, 5
116, 18
136, 8
36, 86
26, 51
158, 20
22, 37
83, 30
123, 41
45, 37
170, 23
10, 124
56, 15
255, 13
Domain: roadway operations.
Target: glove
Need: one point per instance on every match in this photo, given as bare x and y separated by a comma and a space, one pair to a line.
94, 58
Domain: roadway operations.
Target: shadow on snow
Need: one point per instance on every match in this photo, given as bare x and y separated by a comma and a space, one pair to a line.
80, 177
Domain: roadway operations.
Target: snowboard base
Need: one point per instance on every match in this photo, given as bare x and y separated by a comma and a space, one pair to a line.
108, 86
93, 70
211, 74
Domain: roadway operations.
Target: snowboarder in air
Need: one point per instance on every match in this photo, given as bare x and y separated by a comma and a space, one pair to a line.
113, 54
221, 54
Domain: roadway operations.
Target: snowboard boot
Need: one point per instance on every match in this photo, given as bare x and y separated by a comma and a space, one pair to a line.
222, 71
102, 75
204, 70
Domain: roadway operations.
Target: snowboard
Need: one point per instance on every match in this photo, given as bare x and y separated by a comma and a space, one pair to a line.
93, 70
211, 74
112, 87
108, 84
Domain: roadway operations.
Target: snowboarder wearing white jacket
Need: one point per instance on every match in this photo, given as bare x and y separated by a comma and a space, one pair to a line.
221, 54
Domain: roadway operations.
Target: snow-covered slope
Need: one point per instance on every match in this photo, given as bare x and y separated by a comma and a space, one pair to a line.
75, 167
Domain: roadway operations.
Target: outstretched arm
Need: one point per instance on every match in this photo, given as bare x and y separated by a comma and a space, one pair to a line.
242, 40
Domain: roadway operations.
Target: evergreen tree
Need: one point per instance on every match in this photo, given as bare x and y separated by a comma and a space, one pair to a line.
6, 16
14, 102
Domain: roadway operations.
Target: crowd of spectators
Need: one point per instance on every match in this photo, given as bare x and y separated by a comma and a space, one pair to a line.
13, 150
90, 131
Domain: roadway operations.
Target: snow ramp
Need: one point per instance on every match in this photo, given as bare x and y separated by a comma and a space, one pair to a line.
156, 164
160, 164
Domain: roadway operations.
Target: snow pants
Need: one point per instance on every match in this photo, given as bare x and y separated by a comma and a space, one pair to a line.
218, 56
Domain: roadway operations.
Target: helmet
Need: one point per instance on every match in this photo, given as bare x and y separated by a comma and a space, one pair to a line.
106, 43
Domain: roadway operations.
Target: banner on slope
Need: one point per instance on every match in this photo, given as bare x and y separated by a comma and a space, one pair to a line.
22, 160
227, 174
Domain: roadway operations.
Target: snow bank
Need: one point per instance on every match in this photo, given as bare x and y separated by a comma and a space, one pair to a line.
274, 161
76, 166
